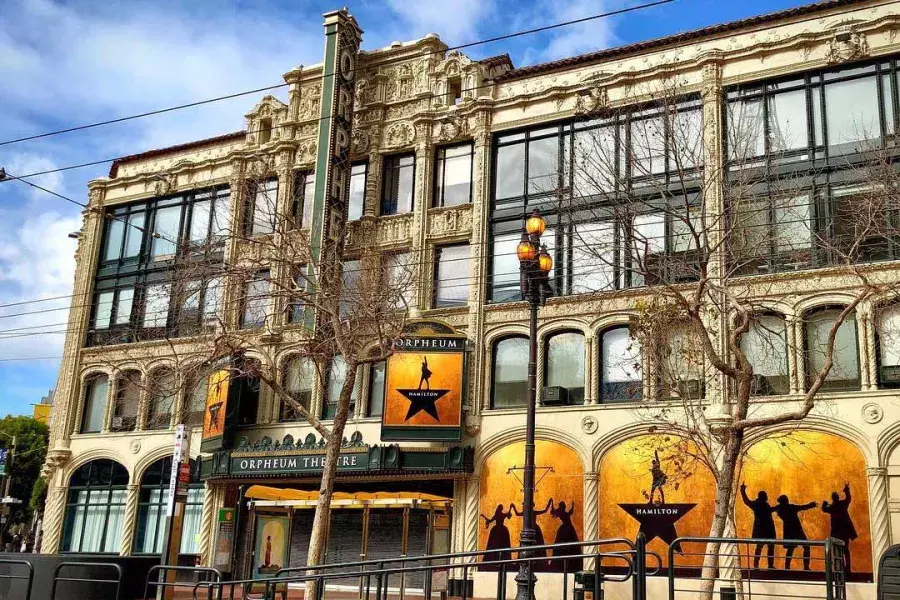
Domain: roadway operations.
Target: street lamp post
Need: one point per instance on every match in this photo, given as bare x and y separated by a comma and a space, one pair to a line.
535, 264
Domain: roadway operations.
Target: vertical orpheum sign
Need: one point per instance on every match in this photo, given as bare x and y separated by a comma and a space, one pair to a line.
342, 39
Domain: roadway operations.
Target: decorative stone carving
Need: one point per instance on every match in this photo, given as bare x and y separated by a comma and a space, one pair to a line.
163, 183
135, 446
589, 425
872, 413
56, 459
473, 425
594, 99
309, 102
449, 221
306, 152
394, 230
846, 45
359, 141
451, 128
400, 134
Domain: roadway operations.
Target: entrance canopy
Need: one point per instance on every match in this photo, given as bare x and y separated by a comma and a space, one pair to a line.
271, 496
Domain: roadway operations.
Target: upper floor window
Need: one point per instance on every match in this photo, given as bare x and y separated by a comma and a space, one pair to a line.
765, 346
683, 364
337, 375
453, 175
357, 198
844, 373
509, 373
303, 198
199, 305
299, 375
157, 298
399, 272
888, 338
820, 114
96, 395
297, 302
772, 233
161, 401
166, 228
621, 368
256, 301
209, 219
196, 402
564, 369
506, 285
262, 207
128, 401
113, 308
398, 184
124, 233
376, 389
451, 276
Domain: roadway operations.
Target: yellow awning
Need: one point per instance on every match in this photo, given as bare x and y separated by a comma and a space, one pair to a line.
262, 492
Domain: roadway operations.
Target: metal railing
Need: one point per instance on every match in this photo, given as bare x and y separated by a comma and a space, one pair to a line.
614, 560
748, 568
110, 582
162, 571
27, 576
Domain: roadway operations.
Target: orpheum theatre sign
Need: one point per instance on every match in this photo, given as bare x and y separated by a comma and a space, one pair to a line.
312, 463
424, 384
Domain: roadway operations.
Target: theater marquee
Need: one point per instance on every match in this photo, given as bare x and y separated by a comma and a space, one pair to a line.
424, 383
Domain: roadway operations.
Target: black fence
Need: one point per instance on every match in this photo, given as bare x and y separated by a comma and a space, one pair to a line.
73, 576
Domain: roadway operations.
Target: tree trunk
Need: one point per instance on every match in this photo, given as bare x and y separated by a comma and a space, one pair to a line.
317, 538
723, 512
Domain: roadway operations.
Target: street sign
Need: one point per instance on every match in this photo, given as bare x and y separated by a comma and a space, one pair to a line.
180, 447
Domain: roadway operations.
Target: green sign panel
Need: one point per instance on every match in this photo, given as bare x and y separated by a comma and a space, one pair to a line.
298, 463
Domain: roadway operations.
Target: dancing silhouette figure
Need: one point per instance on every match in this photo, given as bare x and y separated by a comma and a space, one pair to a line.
842, 526
566, 533
426, 374
498, 538
763, 525
792, 528
659, 479
538, 534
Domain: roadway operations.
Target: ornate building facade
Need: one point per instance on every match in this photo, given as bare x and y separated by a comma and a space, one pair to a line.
447, 153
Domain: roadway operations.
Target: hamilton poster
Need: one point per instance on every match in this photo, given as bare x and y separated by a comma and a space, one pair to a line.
558, 503
802, 485
424, 387
215, 411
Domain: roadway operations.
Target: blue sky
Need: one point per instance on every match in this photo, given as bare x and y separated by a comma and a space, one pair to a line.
74, 62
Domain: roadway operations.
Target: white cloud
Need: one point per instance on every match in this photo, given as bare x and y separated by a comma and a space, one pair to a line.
456, 22
576, 39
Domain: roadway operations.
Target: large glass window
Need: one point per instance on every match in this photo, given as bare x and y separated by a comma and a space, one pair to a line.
299, 376
844, 373
509, 376
593, 257
888, 336
166, 228
262, 209
303, 198
128, 401
765, 346
851, 114
621, 366
510, 170
399, 269
163, 389
95, 508
356, 204
398, 184
256, 301
453, 175
156, 305
112, 308
565, 366
451, 276
196, 402
337, 375
124, 233
683, 364
376, 389
96, 394
150, 533
505, 284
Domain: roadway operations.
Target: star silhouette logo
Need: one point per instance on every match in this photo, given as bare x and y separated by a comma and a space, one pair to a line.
423, 400
658, 520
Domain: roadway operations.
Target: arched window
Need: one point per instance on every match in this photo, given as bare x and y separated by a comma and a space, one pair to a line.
376, 389
196, 402
683, 364
621, 369
163, 388
336, 377
299, 374
888, 335
510, 373
844, 373
765, 345
95, 508
96, 391
151, 521
128, 400
564, 368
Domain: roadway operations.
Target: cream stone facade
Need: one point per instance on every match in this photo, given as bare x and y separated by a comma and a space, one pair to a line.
416, 98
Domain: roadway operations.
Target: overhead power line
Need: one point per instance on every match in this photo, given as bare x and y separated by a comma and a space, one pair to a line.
281, 85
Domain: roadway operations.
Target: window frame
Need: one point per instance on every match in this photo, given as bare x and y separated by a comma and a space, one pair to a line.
389, 206
548, 338
164, 466
808, 376
259, 276
435, 300
116, 482
250, 206
87, 402
440, 167
365, 175
495, 346
602, 397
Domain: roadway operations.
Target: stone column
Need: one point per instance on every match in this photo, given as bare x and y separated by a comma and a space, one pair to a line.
423, 255
795, 353
480, 255
212, 502
470, 525
54, 509
879, 512
592, 370
128, 525
591, 511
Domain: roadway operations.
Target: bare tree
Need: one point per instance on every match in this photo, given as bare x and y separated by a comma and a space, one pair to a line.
647, 208
272, 295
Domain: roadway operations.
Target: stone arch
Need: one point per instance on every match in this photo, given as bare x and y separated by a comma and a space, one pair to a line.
514, 434
93, 454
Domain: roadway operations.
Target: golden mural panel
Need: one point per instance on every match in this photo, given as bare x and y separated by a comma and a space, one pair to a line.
656, 484
558, 497
815, 487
